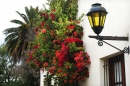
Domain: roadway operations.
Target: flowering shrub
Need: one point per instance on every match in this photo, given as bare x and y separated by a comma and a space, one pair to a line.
58, 48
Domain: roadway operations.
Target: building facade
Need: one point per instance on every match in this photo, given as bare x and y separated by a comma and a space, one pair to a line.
109, 66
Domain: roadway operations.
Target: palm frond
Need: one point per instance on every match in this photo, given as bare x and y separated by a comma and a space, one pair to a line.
11, 37
17, 22
30, 14
24, 17
12, 45
27, 12
10, 30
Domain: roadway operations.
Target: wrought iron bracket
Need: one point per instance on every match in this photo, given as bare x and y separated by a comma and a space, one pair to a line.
116, 38
102, 38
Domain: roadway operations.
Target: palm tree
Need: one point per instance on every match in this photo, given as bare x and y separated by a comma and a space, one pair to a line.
18, 39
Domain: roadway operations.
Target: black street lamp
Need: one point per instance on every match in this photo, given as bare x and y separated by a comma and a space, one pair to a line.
96, 17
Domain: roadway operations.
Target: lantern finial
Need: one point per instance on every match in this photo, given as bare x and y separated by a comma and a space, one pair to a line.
96, 4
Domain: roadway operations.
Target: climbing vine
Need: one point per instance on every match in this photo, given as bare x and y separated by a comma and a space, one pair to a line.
58, 46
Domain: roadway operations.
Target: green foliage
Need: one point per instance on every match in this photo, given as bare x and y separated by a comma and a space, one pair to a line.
13, 74
73, 47
7, 76
68, 7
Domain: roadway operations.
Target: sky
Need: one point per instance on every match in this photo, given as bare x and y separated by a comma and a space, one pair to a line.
8, 10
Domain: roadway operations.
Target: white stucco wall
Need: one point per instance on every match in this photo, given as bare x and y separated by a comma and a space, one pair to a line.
117, 24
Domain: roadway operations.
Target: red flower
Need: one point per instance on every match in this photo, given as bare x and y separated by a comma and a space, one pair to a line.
88, 61
72, 39
79, 56
57, 53
78, 59
62, 55
75, 34
43, 14
70, 27
37, 63
65, 81
59, 70
42, 24
45, 64
65, 74
51, 70
43, 30
67, 67
80, 65
30, 56
35, 47
52, 16
60, 64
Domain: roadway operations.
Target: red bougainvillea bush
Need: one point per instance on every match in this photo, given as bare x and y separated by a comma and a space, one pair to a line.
58, 46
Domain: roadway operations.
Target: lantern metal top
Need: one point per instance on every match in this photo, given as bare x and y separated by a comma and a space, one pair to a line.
96, 8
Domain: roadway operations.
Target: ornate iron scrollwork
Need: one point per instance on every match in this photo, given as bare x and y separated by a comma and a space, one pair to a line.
100, 43
102, 38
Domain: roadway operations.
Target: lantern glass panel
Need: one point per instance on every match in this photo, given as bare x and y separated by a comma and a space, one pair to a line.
90, 20
102, 18
95, 18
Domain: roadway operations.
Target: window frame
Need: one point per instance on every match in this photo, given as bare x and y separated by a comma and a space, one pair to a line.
112, 71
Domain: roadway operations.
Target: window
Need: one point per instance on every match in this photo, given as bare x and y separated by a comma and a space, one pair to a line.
114, 71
